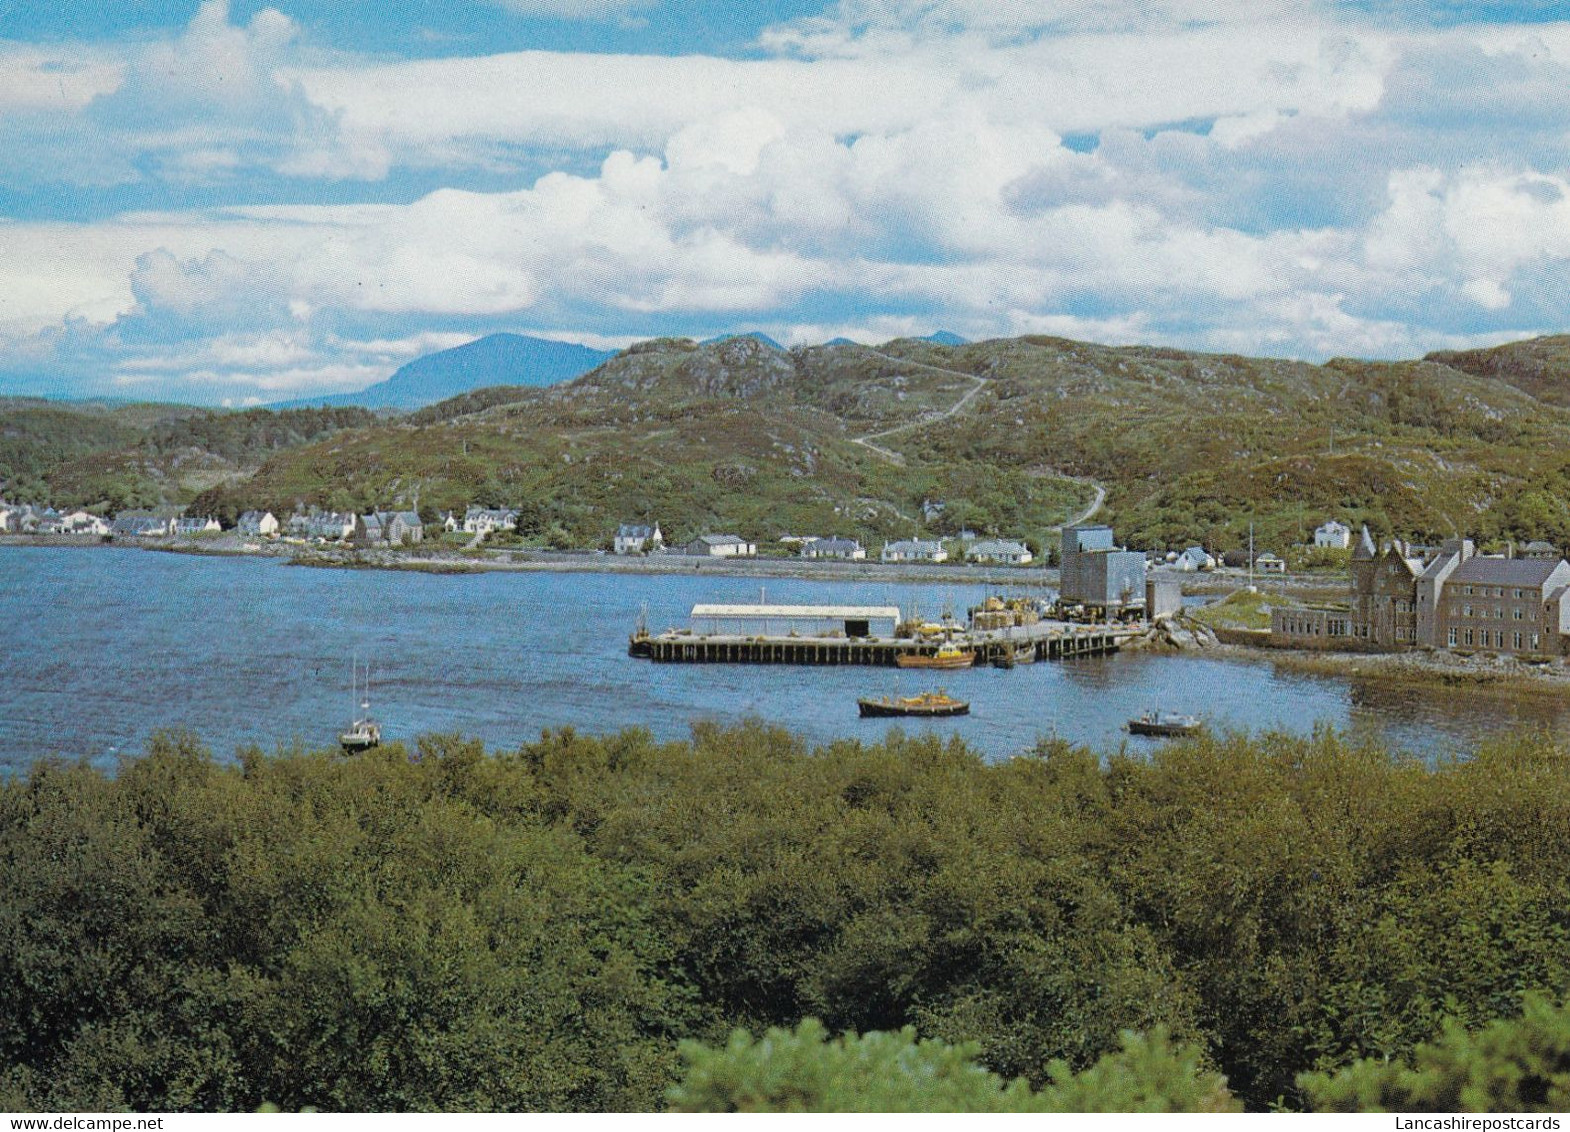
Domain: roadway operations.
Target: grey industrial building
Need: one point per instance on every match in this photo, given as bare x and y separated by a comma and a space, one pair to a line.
1099, 574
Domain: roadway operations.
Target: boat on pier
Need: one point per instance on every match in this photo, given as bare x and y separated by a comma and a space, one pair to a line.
931, 705
949, 655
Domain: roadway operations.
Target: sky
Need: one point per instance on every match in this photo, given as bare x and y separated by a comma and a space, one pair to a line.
231, 202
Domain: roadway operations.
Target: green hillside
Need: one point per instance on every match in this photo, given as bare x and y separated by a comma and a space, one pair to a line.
110, 457
1009, 436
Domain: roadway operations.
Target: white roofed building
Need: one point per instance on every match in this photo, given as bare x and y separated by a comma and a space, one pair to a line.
795, 620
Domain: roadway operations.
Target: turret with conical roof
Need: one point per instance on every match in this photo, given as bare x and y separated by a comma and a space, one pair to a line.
1365, 545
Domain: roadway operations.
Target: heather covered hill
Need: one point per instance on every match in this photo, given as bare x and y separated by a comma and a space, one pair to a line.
1539, 366
850, 439
1192, 447
109, 457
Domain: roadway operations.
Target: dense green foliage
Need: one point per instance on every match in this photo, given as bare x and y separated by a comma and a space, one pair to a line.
1512, 1065
540, 928
802, 1071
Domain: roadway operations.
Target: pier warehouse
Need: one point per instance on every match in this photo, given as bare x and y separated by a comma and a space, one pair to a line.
797, 620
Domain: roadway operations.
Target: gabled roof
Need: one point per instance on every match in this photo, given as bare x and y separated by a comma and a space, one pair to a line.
999, 546
1365, 545
1505, 571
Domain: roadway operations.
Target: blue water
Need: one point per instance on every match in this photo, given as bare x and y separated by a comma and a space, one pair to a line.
101, 647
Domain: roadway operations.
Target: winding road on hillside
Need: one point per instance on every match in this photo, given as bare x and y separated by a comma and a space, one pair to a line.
970, 394
981, 383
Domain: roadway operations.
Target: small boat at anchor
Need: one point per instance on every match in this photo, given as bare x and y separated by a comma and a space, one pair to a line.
364, 732
929, 704
1164, 724
949, 655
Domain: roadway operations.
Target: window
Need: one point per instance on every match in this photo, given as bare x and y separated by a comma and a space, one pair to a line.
1516, 594
1517, 639
1466, 611
1499, 638
1534, 642
1469, 636
1467, 590
1517, 613
1452, 638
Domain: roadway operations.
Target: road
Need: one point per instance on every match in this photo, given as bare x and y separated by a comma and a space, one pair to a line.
969, 396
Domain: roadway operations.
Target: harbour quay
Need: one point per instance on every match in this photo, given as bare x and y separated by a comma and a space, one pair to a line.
999, 633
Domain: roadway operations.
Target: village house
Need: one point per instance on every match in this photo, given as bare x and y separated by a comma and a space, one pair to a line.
1537, 548
1004, 551
388, 528
140, 524
332, 526
914, 550
73, 523
635, 538
27, 519
258, 524
1193, 559
187, 525
845, 548
484, 520
721, 546
1268, 563
1333, 534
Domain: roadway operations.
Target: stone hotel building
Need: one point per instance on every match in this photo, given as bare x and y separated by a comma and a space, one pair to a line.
1450, 597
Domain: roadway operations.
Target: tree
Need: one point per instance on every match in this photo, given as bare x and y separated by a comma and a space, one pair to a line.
1514, 1065
803, 1070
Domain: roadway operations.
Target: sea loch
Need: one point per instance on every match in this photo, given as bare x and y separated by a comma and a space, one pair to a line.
99, 648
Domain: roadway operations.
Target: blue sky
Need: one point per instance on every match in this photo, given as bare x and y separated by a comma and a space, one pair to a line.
236, 203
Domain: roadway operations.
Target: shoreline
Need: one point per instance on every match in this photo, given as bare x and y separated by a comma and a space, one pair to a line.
526, 561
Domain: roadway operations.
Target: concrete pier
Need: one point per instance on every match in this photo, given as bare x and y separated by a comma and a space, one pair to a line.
1047, 640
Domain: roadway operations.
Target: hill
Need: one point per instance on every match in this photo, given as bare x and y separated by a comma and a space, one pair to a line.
496, 359
109, 457
1007, 435
854, 439
1539, 366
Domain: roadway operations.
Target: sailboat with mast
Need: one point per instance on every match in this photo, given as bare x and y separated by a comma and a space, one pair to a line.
364, 732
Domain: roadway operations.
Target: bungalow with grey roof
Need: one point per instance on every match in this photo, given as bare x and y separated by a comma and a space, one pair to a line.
844, 548
914, 550
721, 546
1004, 551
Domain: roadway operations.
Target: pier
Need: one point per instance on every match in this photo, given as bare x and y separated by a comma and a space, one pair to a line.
1045, 640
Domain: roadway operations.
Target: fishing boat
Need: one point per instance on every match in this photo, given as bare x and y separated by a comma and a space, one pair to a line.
949, 655
928, 704
364, 732
1019, 654
1164, 724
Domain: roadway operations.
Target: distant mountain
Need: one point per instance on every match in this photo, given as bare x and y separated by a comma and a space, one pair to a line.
496, 359
755, 335
947, 338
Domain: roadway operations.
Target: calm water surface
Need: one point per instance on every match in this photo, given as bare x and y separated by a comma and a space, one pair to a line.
101, 647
